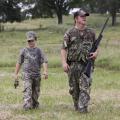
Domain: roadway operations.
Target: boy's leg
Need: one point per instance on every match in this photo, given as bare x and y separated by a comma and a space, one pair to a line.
35, 91
27, 93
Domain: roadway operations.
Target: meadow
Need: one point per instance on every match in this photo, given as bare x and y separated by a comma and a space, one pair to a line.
55, 101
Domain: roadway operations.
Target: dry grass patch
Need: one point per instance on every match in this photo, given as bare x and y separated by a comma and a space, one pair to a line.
103, 95
5, 115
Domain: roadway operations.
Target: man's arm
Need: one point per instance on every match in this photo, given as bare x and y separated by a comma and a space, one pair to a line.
64, 61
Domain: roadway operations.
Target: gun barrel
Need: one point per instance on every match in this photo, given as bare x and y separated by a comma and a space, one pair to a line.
93, 49
105, 24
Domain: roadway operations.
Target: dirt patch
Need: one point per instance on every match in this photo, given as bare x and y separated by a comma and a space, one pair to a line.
5, 74
21, 117
53, 93
10, 106
104, 95
49, 115
5, 115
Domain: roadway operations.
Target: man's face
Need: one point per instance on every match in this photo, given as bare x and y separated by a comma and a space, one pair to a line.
31, 43
81, 20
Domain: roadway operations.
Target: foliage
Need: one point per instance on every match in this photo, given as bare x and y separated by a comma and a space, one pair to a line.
99, 6
9, 11
112, 6
59, 7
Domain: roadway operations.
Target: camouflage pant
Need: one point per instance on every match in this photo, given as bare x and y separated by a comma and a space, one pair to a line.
31, 91
79, 85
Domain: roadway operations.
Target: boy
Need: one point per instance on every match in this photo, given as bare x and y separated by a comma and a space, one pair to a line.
32, 58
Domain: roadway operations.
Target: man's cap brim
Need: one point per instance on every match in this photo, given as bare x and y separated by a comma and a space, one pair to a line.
81, 13
87, 14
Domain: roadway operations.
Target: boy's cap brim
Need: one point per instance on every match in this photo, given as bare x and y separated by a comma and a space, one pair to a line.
30, 38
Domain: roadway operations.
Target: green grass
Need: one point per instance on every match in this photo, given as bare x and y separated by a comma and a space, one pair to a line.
55, 101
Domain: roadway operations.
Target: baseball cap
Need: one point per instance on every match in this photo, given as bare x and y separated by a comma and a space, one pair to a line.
31, 35
81, 12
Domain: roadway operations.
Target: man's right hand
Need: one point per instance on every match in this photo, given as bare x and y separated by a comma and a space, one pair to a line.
66, 67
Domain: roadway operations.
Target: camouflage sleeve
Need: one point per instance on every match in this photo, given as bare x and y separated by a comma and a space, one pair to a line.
65, 40
94, 36
43, 57
21, 57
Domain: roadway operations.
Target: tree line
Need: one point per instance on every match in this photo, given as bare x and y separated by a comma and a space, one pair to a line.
10, 11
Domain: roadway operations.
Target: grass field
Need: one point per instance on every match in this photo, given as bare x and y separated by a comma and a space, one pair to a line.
55, 101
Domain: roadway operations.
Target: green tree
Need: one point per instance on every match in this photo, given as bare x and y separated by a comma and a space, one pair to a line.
57, 6
100, 6
10, 10
41, 10
113, 7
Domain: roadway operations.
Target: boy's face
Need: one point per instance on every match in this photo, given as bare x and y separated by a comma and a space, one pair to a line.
31, 43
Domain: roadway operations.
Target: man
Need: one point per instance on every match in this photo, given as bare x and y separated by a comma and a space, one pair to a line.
32, 58
75, 53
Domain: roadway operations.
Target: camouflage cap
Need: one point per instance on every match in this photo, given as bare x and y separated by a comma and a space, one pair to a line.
81, 13
31, 35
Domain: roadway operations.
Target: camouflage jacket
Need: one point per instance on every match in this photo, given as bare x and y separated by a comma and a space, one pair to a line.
78, 43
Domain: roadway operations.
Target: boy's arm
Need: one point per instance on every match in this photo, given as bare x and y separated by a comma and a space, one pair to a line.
17, 69
44, 62
19, 63
16, 81
45, 70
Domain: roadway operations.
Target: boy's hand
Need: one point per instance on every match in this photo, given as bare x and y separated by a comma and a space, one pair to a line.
45, 75
16, 77
16, 83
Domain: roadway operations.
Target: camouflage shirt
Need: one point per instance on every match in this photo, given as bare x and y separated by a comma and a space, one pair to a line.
32, 58
78, 43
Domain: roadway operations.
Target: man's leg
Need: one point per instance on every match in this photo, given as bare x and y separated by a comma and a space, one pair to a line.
84, 95
75, 95
74, 86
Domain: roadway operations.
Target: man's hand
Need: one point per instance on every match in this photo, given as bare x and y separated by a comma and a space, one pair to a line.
66, 67
45, 75
93, 55
16, 83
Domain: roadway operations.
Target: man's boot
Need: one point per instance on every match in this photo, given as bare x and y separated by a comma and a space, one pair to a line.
83, 110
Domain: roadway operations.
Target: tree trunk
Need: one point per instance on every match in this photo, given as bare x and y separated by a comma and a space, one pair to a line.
60, 17
113, 19
113, 14
1, 27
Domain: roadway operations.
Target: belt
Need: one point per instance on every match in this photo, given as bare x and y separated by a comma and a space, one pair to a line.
81, 62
